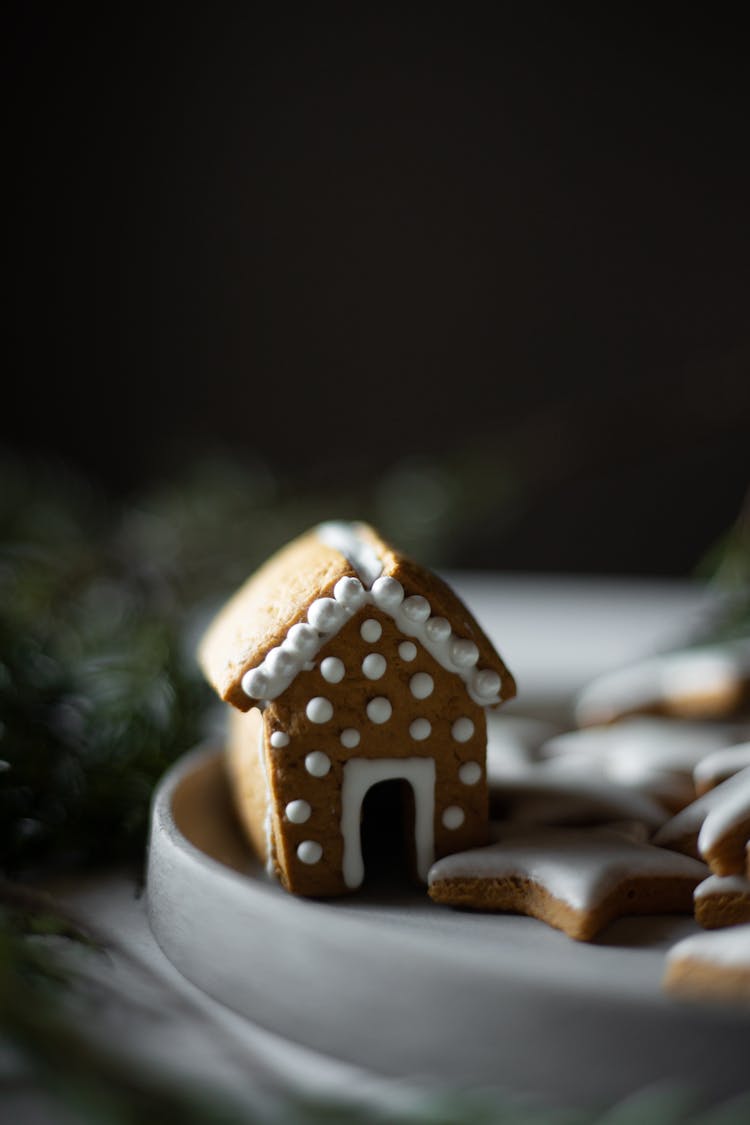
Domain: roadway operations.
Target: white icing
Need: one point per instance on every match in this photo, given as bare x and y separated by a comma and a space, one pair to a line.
453, 817
379, 709
690, 821
370, 630
347, 538
332, 669
655, 755
438, 629
319, 709
723, 885
317, 763
730, 812
469, 773
729, 947
416, 609
420, 729
421, 685
388, 594
704, 671
350, 593
721, 764
279, 739
374, 666
326, 615
349, 738
298, 811
412, 616
578, 866
463, 729
361, 774
309, 851
268, 813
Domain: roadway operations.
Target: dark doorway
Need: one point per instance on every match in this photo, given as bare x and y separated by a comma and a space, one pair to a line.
388, 847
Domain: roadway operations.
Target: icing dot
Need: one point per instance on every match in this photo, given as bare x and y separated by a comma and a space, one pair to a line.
319, 709
298, 812
374, 666
279, 738
464, 653
255, 683
438, 629
349, 738
416, 608
309, 851
462, 729
349, 592
470, 773
370, 630
379, 709
486, 683
420, 729
387, 592
421, 685
407, 650
317, 763
302, 640
325, 614
332, 669
280, 662
453, 817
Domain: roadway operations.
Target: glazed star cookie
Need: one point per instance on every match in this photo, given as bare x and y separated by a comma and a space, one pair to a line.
543, 794
720, 765
655, 756
576, 880
722, 900
711, 966
715, 827
704, 682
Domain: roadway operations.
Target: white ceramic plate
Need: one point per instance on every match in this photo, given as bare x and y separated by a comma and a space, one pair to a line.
396, 984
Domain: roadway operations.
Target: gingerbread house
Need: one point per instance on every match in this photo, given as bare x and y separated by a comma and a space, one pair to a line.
347, 665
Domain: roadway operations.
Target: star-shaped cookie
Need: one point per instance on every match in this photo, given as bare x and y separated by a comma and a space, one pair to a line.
575, 879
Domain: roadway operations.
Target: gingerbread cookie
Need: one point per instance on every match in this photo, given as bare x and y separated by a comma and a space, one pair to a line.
720, 765
543, 794
705, 682
711, 966
722, 900
715, 827
652, 755
576, 880
349, 665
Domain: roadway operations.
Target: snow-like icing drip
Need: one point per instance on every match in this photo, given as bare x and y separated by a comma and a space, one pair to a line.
326, 616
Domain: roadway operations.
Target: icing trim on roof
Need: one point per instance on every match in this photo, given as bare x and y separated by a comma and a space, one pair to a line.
326, 616
347, 538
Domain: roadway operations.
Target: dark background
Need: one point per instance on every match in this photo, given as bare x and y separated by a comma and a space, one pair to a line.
488, 263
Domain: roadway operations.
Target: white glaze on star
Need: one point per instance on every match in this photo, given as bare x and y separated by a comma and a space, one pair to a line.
578, 866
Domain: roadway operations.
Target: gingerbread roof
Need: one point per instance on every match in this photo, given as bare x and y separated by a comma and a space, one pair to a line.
302, 596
